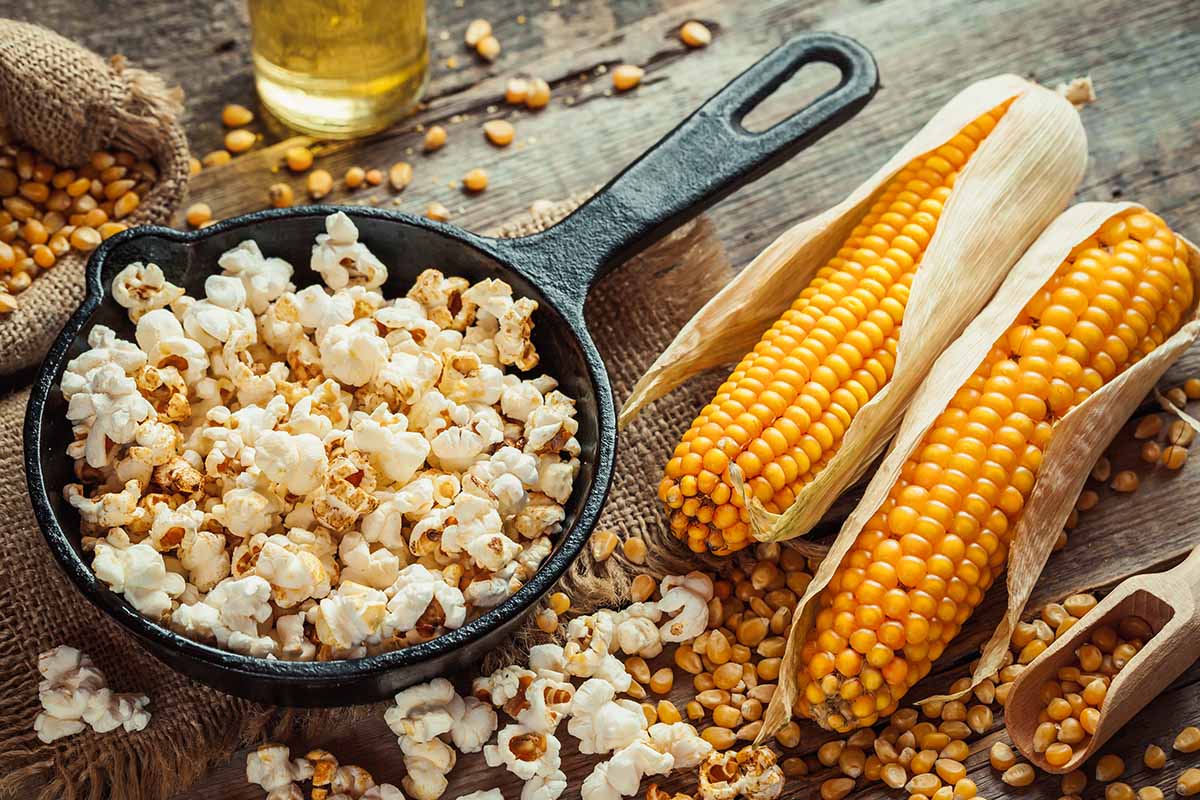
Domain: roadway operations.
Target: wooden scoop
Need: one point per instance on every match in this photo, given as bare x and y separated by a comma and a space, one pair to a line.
1170, 603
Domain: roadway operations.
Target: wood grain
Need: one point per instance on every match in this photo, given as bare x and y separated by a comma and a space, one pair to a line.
1144, 141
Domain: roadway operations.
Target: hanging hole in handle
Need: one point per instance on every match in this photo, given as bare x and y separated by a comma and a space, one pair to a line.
810, 82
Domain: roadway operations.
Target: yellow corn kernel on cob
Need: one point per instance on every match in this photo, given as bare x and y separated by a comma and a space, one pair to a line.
922, 563
781, 414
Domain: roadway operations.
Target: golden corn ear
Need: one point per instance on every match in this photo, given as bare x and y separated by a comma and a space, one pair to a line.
781, 414
922, 563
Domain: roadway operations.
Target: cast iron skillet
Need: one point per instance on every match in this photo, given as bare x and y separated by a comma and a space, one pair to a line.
708, 156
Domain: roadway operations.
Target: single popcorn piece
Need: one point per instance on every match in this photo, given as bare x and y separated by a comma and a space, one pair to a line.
681, 740
600, 722
377, 568
294, 572
263, 279
324, 472
474, 726
296, 461
347, 492
383, 791
271, 768
142, 288
687, 598
545, 787
633, 762
396, 452
424, 712
419, 596
231, 614
340, 259
351, 616
750, 773
138, 573
482, 794
74, 694
503, 685
442, 298
523, 752
106, 402
352, 354
548, 703
427, 765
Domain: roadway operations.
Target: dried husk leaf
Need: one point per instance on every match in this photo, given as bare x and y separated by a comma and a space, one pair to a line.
1079, 439
1019, 178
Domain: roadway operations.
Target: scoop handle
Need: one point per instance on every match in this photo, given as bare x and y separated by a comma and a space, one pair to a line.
709, 155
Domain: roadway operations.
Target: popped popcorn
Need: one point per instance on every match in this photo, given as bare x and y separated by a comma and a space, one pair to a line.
270, 767
525, 753
323, 472
74, 694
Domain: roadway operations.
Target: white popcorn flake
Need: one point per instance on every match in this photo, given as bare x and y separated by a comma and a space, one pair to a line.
474, 726
681, 740
231, 614
601, 723
427, 764
395, 451
375, 568
352, 354
271, 768
294, 572
482, 794
106, 402
545, 787
297, 461
503, 685
419, 596
138, 573
687, 597
263, 279
142, 288
352, 615
340, 259
523, 752
383, 791
74, 695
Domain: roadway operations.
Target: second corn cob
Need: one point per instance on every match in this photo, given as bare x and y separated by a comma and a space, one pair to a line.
920, 566
782, 412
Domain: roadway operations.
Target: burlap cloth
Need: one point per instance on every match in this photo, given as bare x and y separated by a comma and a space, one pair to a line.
633, 313
67, 102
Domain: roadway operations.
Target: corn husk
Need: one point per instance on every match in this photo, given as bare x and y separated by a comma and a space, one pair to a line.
1021, 176
1079, 439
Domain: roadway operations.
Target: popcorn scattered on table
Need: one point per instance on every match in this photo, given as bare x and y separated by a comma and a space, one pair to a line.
322, 473
74, 694
271, 768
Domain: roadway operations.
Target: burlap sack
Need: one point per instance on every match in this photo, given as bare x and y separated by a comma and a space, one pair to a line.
633, 313
67, 102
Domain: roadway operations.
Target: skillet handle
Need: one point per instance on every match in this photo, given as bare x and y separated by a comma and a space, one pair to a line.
708, 156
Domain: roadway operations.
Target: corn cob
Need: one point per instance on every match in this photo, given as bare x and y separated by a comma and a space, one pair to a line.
922, 563
781, 414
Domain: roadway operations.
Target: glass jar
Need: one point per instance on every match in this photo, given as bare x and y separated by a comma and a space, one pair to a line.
339, 68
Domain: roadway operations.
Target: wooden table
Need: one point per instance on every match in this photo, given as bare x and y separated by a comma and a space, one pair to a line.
1144, 138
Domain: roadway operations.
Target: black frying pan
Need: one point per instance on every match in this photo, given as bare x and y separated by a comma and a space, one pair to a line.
708, 156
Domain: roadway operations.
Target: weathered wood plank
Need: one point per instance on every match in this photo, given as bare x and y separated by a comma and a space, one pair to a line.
1145, 59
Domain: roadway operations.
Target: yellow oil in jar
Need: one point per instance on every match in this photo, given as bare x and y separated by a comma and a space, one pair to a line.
339, 68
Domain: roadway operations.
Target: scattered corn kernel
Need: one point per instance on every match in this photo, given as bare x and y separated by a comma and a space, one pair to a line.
236, 116
626, 77
435, 138
298, 159
240, 140
475, 181
695, 34
198, 214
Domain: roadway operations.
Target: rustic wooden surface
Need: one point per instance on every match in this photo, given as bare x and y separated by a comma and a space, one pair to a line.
1144, 140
